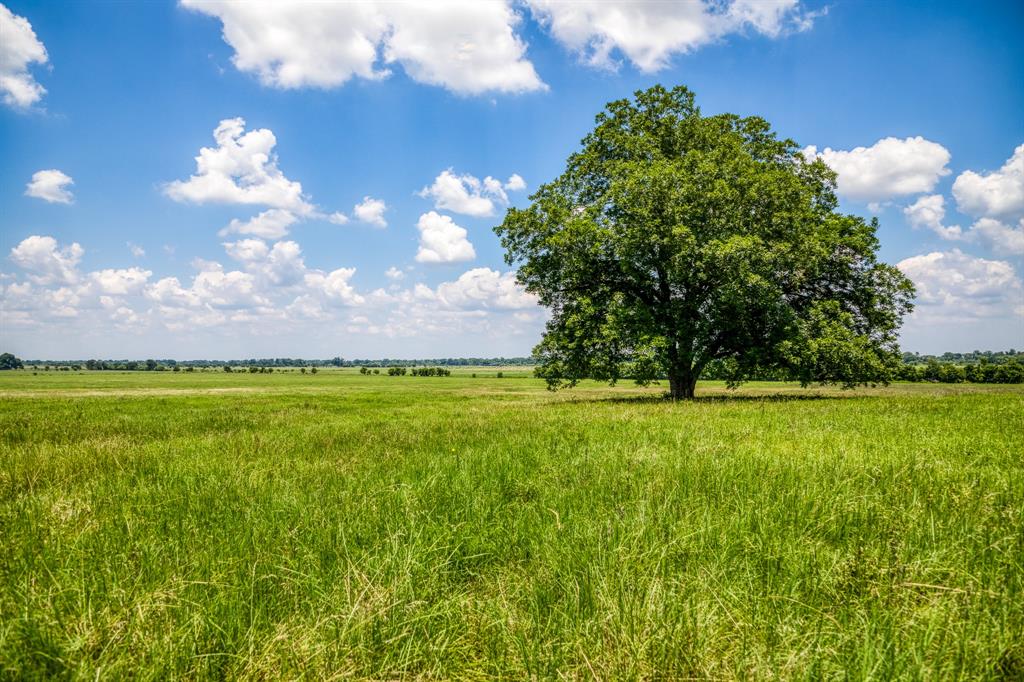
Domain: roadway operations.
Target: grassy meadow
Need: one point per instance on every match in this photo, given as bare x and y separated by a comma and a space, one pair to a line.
268, 526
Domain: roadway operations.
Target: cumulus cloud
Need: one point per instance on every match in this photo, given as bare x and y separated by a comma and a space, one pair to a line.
23, 304
47, 263
442, 241
1001, 237
120, 282
996, 199
515, 183
467, 47
338, 218
241, 169
19, 48
929, 212
999, 194
952, 285
889, 168
50, 186
649, 32
233, 289
247, 250
271, 289
170, 292
281, 265
468, 195
486, 288
270, 224
135, 249
371, 211
335, 286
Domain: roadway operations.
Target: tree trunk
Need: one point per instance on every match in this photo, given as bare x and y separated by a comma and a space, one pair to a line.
682, 386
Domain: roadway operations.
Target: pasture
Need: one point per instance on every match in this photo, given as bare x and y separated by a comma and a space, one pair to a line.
336, 525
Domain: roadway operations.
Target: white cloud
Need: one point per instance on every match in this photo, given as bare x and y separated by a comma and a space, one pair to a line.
232, 289
19, 47
338, 218
281, 265
486, 288
284, 265
650, 32
270, 224
50, 186
135, 249
271, 292
889, 168
481, 302
1001, 237
120, 282
241, 169
928, 212
336, 286
468, 195
442, 241
371, 211
468, 47
247, 250
952, 285
23, 304
169, 292
212, 290
999, 194
46, 263
515, 183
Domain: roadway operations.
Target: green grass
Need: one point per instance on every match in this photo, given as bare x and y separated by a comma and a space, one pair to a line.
287, 525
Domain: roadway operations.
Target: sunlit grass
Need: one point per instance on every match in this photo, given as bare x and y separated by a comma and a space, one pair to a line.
285, 525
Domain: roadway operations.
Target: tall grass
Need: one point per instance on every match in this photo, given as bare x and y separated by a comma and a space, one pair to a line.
266, 526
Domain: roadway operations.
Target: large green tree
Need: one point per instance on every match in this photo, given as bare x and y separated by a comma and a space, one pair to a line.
674, 240
8, 361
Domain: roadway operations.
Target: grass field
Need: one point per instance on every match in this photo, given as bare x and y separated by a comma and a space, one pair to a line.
336, 525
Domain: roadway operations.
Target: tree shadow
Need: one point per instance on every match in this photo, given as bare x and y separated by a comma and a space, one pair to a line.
710, 399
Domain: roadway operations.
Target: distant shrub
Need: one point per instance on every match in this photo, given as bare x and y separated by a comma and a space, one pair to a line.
430, 372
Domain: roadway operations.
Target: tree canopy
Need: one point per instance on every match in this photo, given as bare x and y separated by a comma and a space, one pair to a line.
673, 240
8, 361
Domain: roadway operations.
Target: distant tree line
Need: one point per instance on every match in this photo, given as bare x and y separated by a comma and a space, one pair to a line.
977, 356
1004, 368
442, 362
982, 367
167, 364
1010, 371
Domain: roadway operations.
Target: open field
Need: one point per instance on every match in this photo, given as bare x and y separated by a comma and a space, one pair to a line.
336, 525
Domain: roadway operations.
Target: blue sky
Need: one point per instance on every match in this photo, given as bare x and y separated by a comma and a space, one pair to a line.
918, 106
